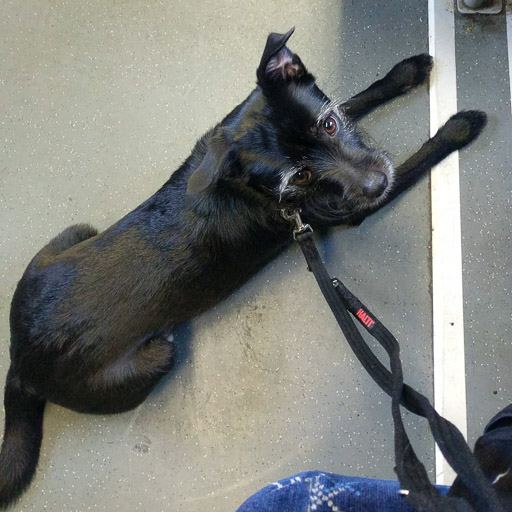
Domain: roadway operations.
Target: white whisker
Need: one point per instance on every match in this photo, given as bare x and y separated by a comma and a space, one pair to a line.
286, 176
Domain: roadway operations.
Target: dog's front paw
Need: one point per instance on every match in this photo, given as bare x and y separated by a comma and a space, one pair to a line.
462, 128
411, 72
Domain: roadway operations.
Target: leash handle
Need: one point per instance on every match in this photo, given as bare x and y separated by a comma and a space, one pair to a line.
418, 491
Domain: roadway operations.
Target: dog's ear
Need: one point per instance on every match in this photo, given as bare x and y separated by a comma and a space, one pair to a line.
210, 167
278, 64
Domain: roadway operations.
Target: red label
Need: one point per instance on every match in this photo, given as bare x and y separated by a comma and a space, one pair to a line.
365, 317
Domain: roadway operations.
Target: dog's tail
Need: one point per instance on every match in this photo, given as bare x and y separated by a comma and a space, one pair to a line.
22, 439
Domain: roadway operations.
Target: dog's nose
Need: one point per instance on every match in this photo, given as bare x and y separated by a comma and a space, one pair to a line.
375, 185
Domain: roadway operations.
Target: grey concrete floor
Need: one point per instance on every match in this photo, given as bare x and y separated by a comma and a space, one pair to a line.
486, 202
100, 102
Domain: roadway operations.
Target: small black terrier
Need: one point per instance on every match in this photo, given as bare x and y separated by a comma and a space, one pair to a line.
91, 316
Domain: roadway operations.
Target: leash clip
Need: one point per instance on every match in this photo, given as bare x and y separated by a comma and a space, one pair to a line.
294, 216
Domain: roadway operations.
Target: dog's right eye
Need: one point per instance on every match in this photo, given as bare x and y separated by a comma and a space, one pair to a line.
330, 125
302, 177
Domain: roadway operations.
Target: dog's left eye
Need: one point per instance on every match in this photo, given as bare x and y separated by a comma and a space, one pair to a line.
330, 125
302, 177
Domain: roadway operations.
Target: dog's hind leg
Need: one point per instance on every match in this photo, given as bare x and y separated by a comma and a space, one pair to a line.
127, 382
405, 75
70, 236
458, 132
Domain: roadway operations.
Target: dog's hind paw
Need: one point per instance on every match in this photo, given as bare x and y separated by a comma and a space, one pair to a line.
462, 128
411, 72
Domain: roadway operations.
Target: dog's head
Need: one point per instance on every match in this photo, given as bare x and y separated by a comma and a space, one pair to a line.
293, 146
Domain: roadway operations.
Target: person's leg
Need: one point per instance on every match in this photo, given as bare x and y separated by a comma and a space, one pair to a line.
325, 492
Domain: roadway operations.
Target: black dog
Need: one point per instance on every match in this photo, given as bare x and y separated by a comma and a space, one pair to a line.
91, 316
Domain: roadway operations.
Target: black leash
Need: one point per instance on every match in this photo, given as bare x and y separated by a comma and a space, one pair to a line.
478, 492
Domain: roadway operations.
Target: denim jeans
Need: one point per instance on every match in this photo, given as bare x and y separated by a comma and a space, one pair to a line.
315, 491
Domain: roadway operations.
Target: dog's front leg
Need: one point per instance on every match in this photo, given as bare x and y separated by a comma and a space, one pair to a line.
404, 76
458, 132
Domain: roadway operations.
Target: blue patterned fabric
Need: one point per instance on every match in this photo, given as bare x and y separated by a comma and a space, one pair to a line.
314, 491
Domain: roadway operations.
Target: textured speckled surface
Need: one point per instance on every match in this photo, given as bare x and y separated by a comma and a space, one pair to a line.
100, 102
486, 196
